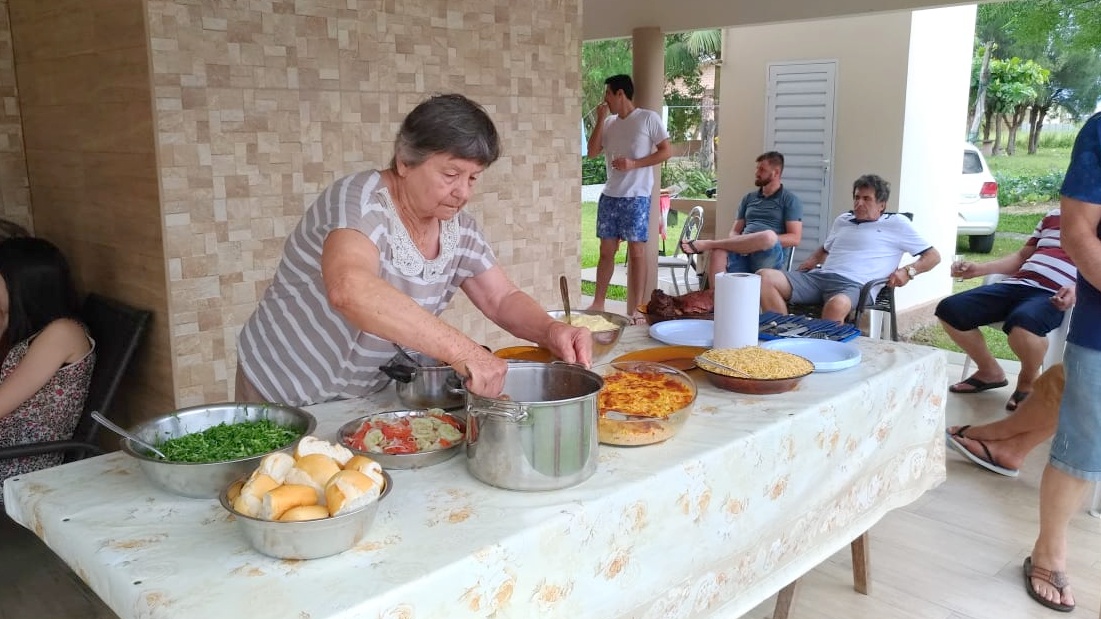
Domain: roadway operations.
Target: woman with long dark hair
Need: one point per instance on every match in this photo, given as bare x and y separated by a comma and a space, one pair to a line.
47, 353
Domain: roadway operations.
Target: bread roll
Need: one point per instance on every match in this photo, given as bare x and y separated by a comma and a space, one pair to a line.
350, 490
275, 466
248, 503
313, 445
304, 512
234, 491
314, 471
367, 466
279, 500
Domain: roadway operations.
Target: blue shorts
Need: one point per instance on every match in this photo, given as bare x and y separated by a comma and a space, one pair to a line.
1015, 305
1076, 448
751, 263
623, 218
816, 287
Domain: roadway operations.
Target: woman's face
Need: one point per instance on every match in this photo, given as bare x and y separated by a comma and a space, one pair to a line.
441, 186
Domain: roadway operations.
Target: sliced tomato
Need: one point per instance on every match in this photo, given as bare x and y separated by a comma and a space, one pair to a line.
401, 447
451, 421
444, 443
400, 430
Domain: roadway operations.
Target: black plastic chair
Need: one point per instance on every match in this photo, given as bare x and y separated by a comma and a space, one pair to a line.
118, 330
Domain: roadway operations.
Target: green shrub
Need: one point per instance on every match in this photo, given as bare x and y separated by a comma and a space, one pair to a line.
1028, 188
593, 171
693, 181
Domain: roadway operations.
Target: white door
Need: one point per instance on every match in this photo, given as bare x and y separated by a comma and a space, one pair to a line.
800, 124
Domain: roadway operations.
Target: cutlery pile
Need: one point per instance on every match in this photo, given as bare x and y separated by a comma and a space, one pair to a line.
776, 326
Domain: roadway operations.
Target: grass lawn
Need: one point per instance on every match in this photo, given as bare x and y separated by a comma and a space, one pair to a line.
590, 249
1045, 160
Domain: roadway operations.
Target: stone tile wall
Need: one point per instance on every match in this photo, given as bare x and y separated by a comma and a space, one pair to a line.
15, 198
260, 105
84, 97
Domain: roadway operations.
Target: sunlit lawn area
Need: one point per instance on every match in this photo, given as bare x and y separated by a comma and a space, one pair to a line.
590, 248
1045, 160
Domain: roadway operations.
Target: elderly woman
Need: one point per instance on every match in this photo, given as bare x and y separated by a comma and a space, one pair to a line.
377, 258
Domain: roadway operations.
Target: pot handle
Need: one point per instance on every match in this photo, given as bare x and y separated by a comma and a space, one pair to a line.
493, 408
454, 384
400, 373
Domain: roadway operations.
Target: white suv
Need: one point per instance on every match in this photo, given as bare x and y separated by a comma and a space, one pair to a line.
978, 205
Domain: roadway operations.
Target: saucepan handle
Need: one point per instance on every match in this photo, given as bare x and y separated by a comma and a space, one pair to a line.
400, 373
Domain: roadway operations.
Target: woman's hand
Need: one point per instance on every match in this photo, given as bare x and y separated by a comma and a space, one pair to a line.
483, 373
570, 344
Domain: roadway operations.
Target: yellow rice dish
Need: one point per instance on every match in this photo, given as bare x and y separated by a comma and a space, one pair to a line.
592, 323
757, 362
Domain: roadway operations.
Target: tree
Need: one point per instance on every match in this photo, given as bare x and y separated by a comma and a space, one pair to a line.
685, 54
1014, 86
1062, 36
599, 61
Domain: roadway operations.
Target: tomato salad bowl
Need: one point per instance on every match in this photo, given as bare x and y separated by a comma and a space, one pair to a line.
405, 439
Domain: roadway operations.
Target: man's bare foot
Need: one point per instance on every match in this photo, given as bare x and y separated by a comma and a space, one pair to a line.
595, 307
1001, 453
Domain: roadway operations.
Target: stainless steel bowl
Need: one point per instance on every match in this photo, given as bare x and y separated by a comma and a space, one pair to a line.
417, 460
308, 539
603, 341
207, 480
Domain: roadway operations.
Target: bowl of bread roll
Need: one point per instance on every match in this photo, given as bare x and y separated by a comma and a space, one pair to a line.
318, 502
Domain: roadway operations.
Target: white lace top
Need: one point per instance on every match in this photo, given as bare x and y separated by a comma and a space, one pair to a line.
295, 348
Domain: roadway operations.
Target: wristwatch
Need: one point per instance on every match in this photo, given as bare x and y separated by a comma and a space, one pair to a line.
912, 271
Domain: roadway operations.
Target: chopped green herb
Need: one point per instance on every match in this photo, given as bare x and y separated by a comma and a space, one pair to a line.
229, 442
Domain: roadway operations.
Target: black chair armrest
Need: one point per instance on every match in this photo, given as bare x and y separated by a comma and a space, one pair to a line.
49, 447
865, 298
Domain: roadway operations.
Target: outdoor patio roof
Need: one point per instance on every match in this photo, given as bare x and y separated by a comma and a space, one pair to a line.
609, 19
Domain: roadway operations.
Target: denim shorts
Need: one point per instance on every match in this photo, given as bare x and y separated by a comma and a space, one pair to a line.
627, 219
751, 263
1076, 448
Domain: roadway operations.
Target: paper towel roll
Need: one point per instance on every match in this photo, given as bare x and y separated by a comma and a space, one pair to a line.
737, 309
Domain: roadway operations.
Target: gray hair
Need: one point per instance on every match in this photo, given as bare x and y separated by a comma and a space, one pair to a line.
449, 124
874, 182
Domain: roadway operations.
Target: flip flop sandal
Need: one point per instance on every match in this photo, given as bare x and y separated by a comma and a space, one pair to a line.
1016, 399
987, 463
1055, 579
977, 385
691, 245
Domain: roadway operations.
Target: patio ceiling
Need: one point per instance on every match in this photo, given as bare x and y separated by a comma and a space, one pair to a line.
609, 19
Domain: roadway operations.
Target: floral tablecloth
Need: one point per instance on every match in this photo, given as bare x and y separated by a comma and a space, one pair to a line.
752, 493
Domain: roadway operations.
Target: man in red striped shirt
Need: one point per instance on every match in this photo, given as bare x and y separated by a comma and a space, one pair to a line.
1029, 303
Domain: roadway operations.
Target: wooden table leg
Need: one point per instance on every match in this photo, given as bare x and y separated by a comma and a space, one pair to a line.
785, 600
861, 564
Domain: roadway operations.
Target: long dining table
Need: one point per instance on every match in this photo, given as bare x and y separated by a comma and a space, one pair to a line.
752, 493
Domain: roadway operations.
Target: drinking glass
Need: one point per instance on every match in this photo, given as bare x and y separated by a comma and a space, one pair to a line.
958, 258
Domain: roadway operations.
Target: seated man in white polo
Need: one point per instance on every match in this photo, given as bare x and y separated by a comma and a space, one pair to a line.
863, 245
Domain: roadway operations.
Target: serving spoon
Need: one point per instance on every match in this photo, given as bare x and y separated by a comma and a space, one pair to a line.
110, 425
618, 416
565, 297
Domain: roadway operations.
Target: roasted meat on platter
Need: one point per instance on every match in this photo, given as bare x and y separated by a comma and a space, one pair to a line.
691, 304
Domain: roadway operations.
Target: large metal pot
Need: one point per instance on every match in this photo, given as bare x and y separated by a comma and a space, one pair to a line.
422, 382
541, 433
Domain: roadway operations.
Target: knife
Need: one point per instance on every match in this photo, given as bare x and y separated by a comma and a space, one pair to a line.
792, 331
